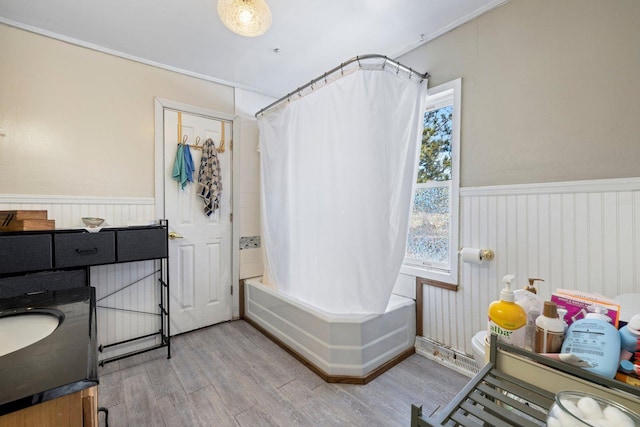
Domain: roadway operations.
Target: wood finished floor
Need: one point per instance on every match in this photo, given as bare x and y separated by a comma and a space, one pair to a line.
232, 375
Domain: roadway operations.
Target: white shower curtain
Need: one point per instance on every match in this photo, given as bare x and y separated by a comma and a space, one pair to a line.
337, 170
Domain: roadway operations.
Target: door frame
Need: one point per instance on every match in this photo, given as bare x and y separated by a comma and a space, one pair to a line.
160, 105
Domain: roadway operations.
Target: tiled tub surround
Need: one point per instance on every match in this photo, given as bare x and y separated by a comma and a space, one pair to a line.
351, 348
250, 242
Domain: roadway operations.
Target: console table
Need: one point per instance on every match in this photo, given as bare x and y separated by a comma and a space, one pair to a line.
41, 261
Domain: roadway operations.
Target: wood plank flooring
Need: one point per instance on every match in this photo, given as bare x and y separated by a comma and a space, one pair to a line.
232, 375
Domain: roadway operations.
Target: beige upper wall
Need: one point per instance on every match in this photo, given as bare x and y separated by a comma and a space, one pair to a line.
550, 90
81, 123
550, 93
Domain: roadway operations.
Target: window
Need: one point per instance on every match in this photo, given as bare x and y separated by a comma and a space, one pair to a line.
432, 242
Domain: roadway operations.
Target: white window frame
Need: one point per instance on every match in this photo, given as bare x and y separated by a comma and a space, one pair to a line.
442, 95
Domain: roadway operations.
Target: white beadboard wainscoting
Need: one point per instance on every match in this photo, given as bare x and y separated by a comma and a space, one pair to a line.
576, 235
68, 211
133, 302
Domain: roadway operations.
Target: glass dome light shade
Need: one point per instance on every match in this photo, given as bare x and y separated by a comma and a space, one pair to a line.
249, 18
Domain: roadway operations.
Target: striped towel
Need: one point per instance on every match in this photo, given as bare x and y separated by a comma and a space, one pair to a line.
209, 184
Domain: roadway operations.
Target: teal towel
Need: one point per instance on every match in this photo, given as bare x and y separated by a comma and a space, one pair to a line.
179, 169
188, 163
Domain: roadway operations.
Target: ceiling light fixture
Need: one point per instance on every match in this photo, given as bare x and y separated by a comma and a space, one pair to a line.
249, 18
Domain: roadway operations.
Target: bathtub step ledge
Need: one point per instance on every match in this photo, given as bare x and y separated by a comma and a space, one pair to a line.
340, 379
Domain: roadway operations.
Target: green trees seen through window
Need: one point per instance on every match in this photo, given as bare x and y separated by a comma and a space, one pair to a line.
435, 152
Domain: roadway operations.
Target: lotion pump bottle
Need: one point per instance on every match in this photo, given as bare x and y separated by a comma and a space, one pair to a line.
506, 318
561, 313
549, 330
595, 340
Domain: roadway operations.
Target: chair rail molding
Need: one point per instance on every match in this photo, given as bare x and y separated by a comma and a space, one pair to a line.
587, 186
71, 200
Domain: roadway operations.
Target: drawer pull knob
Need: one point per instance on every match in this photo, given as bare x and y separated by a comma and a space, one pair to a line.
87, 251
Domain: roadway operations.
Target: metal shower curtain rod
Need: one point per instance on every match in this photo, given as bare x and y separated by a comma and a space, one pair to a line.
340, 67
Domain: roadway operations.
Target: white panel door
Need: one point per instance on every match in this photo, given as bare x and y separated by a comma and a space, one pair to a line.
200, 254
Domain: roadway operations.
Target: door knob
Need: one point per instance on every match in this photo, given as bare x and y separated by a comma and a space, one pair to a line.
174, 235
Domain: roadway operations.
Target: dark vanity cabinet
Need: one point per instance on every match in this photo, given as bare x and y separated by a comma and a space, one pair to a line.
41, 261
24, 253
141, 244
11, 286
82, 249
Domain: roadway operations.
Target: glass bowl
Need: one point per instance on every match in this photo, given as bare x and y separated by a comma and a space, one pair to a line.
580, 409
90, 221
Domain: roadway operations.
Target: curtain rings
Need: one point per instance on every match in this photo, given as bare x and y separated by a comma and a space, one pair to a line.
340, 67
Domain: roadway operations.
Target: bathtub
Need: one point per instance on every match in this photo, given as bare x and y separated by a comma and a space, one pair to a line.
347, 348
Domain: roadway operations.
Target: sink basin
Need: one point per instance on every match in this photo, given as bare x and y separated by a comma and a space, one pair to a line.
24, 327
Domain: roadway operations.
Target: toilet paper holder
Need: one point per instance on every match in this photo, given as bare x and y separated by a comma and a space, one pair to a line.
486, 254
483, 254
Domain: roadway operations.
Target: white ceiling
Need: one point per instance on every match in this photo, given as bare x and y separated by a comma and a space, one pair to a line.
312, 36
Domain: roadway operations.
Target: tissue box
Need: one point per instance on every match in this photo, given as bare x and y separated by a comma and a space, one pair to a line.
577, 304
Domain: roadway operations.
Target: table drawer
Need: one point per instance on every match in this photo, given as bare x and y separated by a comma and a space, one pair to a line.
78, 249
135, 245
42, 281
25, 253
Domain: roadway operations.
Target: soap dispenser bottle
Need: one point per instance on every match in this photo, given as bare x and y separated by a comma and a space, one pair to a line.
506, 318
595, 340
531, 287
528, 299
549, 330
